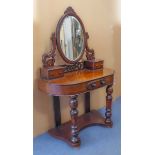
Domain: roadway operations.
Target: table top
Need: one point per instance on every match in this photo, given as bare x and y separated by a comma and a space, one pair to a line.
81, 76
76, 82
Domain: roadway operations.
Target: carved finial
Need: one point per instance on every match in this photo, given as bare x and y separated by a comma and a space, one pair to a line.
69, 10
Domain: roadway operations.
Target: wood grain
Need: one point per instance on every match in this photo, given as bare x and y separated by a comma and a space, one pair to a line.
89, 119
72, 80
76, 82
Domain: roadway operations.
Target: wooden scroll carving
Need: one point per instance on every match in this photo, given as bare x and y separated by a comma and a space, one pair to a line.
48, 59
90, 55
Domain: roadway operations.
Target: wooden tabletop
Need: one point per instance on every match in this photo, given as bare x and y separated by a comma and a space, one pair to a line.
75, 82
81, 76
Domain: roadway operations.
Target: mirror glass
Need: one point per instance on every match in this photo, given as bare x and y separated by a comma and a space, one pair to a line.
71, 38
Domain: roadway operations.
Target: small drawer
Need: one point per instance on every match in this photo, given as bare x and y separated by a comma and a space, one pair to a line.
52, 72
99, 65
93, 64
56, 73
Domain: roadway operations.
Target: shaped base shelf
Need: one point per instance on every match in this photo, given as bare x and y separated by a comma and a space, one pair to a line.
89, 119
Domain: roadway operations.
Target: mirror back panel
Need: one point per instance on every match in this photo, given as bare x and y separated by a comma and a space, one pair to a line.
70, 40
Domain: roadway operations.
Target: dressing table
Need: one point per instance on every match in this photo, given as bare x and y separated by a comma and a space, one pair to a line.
75, 77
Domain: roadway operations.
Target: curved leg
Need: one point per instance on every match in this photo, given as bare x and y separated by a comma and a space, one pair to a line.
75, 140
108, 112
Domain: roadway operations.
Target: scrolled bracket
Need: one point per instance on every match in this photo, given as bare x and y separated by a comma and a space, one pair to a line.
90, 55
48, 59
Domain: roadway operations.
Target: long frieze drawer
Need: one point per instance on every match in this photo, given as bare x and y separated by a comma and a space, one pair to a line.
96, 84
99, 83
71, 89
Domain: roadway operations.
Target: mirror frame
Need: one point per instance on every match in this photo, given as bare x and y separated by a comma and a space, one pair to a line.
69, 12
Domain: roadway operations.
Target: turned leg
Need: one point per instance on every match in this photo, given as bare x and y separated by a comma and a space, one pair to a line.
108, 112
75, 140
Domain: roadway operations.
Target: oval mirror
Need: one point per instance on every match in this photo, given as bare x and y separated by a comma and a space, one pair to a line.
71, 38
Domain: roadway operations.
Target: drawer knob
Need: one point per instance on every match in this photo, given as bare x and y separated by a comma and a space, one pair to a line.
102, 82
93, 85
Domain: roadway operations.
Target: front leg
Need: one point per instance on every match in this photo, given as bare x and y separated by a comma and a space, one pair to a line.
75, 139
108, 113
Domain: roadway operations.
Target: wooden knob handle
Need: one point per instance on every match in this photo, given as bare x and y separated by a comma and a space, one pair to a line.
102, 82
93, 85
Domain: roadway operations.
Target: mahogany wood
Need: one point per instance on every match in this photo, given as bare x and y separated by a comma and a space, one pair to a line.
87, 102
48, 71
77, 82
89, 119
75, 139
108, 113
52, 72
90, 55
48, 59
81, 81
93, 64
73, 67
57, 112
73, 79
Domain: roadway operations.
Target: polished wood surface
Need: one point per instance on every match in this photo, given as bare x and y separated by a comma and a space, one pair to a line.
81, 76
49, 71
94, 64
52, 72
109, 91
77, 82
89, 119
73, 83
74, 138
72, 79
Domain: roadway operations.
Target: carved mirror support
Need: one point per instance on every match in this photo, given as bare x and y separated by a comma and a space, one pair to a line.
71, 41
